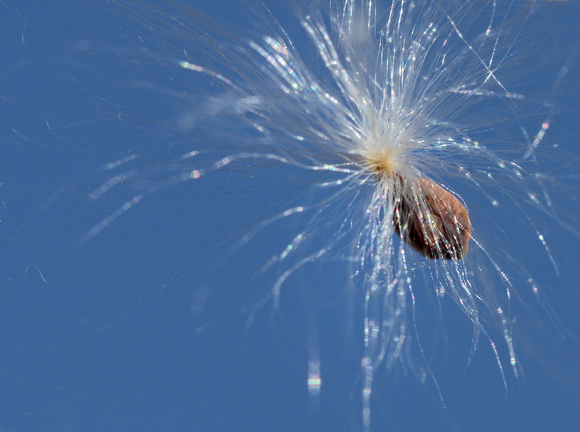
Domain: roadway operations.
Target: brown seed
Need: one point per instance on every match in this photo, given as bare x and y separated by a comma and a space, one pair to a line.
431, 220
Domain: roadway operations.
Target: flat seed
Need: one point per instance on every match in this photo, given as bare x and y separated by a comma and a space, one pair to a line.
431, 220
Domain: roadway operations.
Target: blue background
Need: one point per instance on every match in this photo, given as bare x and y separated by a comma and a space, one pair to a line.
85, 346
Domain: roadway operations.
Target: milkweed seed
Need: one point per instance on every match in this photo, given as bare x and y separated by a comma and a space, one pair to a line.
431, 220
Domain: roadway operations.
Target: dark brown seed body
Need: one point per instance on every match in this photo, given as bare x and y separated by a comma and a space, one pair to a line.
431, 220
